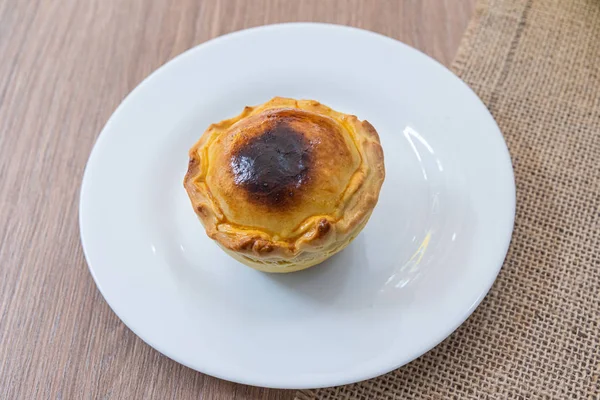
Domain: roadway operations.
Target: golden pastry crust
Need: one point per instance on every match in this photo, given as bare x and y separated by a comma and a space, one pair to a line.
286, 184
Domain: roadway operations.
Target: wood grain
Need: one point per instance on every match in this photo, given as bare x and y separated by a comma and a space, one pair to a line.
65, 66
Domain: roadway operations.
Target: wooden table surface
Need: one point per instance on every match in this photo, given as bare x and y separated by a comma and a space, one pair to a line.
65, 66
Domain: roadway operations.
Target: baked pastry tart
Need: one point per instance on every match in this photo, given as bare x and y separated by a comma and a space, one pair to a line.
286, 184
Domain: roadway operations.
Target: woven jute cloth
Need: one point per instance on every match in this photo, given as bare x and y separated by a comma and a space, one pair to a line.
536, 65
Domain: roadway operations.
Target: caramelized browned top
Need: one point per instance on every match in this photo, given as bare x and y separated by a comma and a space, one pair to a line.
273, 165
274, 169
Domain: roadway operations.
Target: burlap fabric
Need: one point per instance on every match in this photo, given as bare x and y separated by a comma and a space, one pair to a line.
536, 65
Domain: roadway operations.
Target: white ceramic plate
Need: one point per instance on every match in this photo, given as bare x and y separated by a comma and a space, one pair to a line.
427, 257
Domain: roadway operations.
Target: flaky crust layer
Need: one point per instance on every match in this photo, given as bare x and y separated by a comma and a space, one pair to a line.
286, 184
